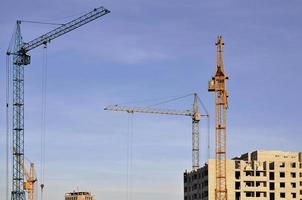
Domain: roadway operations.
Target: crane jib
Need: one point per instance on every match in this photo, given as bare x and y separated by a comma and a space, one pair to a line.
65, 28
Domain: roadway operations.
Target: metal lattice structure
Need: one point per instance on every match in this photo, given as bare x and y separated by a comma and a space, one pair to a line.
218, 85
194, 114
20, 59
18, 120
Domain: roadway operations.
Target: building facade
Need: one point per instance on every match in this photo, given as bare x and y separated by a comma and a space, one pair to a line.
79, 196
261, 175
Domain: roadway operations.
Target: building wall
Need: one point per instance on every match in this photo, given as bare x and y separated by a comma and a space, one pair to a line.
258, 175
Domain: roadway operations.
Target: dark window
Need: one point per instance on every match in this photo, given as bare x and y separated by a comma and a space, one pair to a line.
293, 185
293, 175
293, 165
271, 176
282, 174
250, 194
249, 173
237, 164
237, 175
237, 185
237, 195
282, 195
272, 166
271, 196
272, 186
282, 184
294, 195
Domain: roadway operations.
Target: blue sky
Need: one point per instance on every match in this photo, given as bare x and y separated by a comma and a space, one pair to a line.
152, 50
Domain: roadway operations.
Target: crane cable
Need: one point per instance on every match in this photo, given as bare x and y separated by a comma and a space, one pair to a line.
208, 127
7, 123
129, 177
43, 119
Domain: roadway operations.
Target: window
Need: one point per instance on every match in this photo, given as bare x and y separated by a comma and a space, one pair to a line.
250, 194
272, 186
272, 196
271, 176
293, 174
271, 166
237, 185
293, 165
282, 165
282, 195
249, 173
237, 195
282, 174
294, 195
237, 175
282, 185
237, 164
293, 185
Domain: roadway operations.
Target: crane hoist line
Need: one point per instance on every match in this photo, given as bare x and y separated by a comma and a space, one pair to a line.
19, 50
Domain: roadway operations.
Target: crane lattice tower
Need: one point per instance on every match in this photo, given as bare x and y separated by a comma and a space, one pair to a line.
218, 85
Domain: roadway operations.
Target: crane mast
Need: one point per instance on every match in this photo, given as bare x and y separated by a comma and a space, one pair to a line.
19, 51
218, 85
193, 113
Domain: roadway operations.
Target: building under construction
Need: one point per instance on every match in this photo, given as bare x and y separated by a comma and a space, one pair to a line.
263, 175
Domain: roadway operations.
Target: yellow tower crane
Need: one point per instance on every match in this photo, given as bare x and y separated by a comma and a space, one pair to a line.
218, 85
29, 184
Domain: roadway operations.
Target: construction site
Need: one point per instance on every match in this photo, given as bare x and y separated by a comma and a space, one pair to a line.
110, 103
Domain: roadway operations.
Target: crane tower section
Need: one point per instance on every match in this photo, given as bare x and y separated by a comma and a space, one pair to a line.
21, 58
218, 85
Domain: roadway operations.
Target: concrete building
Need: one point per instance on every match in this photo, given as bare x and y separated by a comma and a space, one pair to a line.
79, 196
261, 175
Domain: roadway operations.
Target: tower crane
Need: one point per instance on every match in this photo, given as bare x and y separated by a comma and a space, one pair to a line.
29, 184
218, 85
193, 113
19, 51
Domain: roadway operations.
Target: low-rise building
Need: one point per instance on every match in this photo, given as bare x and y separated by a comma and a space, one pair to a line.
79, 196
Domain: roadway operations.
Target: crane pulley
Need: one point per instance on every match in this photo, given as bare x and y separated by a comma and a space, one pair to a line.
20, 57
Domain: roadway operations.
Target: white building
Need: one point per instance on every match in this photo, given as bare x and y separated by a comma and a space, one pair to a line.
261, 175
